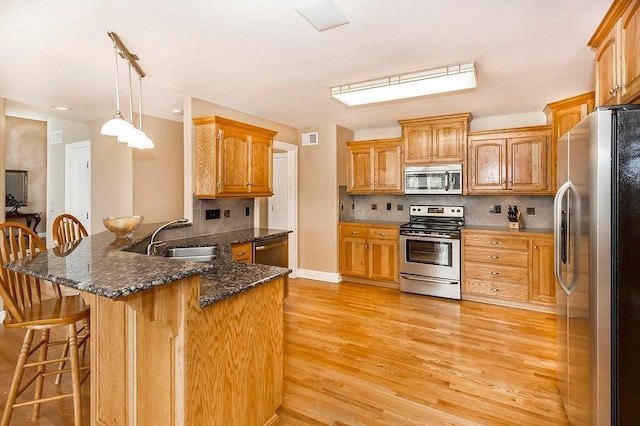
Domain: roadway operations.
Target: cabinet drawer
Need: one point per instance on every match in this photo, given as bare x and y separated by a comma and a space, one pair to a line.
497, 241
480, 271
496, 257
500, 290
383, 234
242, 252
353, 231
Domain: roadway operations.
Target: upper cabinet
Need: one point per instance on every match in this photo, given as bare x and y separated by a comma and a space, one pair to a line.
616, 43
562, 116
232, 159
513, 160
375, 166
435, 139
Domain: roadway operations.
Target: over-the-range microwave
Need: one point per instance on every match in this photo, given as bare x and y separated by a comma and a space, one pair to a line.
436, 179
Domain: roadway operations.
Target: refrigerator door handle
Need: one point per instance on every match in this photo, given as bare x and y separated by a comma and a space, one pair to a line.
558, 229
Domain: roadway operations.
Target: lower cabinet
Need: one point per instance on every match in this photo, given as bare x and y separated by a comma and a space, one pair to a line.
242, 252
509, 268
369, 251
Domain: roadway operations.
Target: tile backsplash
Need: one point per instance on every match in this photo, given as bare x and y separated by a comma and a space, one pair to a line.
476, 207
237, 218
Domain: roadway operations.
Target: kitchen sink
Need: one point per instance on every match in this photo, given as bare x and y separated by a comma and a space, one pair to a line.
194, 254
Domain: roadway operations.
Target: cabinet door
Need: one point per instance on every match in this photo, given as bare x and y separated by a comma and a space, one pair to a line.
387, 169
418, 144
606, 70
383, 260
527, 163
488, 165
448, 142
630, 53
543, 281
242, 252
234, 161
206, 165
261, 164
360, 170
353, 257
568, 117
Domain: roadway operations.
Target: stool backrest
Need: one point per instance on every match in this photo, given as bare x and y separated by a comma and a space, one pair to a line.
67, 229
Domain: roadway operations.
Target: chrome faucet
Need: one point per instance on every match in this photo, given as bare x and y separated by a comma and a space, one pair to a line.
153, 244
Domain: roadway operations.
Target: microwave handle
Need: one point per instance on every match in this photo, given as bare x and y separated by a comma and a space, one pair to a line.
446, 181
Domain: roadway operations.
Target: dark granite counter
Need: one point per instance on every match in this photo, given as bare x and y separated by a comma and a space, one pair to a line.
101, 265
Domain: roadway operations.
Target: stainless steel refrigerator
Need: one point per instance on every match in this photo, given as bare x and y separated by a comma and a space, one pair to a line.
597, 266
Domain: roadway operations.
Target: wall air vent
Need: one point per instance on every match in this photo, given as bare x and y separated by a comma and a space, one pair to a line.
310, 139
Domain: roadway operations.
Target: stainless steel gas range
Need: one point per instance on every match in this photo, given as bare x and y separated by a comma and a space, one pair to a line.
430, 251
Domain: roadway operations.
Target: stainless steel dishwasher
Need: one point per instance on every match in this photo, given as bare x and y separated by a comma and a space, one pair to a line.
272, 251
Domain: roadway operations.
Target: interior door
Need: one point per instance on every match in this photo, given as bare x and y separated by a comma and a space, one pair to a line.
77, 182
278, 203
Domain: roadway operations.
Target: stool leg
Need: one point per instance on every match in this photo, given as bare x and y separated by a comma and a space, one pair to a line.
65, 354
40, 371
17, 378
75, 374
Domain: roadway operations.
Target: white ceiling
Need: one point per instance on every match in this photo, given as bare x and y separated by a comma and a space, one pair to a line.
261, 57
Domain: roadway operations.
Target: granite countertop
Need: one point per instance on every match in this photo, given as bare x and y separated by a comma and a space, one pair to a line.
375, 222
506, 229
101, 265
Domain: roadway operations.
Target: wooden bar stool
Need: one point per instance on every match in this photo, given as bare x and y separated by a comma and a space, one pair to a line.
67, 229
26, 308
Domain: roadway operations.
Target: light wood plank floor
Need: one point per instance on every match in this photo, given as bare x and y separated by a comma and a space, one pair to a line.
363, 355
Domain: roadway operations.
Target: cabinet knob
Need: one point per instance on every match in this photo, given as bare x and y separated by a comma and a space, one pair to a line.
355, 232
535, 247
495, 243
383, 235
494, 273
494, 257
242, 253
496, 290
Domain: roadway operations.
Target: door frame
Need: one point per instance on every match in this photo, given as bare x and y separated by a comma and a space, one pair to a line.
292, 203
67, 147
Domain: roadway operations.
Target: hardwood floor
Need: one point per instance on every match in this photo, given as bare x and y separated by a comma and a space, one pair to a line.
363, 355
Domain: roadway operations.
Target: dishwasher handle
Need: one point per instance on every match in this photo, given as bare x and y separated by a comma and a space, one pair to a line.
271, 246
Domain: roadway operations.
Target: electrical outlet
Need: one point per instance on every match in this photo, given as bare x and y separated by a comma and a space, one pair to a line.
495, 209
400, 207
227, 213
374, 207
388, 206
212, 214
247, 211
531, 210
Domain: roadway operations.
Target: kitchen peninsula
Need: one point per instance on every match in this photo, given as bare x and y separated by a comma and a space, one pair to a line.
176, 342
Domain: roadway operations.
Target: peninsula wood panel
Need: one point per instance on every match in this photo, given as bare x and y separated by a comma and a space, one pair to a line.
159, 359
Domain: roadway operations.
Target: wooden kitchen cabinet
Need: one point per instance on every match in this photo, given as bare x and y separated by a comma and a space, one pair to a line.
232, 159
242, 252
369, 251
510, 160
439, 139
375, 167
511, 268
616, 42
562, 116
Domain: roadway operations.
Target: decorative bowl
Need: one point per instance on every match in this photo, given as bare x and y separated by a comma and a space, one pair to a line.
124, 226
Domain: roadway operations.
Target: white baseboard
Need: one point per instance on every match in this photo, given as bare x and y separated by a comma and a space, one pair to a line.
329, 277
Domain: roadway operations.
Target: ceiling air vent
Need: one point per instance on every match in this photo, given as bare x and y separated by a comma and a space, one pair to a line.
310, 139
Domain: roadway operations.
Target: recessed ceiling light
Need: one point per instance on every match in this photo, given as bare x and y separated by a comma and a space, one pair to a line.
61, 108
177, 111
322, 14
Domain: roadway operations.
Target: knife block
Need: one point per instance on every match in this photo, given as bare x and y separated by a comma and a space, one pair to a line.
518, 223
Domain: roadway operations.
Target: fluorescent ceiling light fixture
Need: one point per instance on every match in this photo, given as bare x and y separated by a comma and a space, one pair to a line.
322, 14
420, 83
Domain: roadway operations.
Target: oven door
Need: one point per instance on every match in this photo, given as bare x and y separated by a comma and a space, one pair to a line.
430, 256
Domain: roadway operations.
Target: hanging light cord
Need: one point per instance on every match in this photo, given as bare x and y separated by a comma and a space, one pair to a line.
130, 93
140, 98
115, 49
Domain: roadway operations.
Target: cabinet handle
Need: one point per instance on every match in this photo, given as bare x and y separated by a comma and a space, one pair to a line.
355, 232
535, 247
611, 91
504, 181
495, 243
242, 253
493, 257
383, 235
494, 273
497, 290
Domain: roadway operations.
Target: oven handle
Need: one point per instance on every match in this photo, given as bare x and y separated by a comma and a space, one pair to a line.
413, 277
430, 237
446, 181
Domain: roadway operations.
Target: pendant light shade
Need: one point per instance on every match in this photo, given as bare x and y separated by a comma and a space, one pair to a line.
126, 131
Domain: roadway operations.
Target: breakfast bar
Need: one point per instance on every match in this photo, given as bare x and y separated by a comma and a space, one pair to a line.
175, 342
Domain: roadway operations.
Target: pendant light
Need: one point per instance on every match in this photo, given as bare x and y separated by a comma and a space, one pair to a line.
117, 124
134, 137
